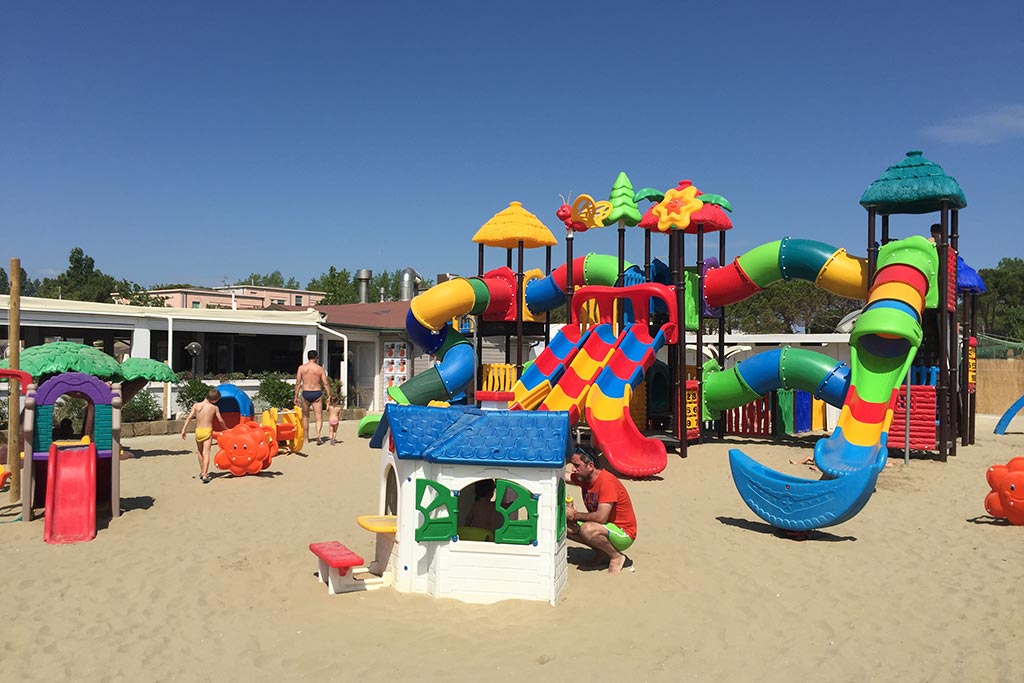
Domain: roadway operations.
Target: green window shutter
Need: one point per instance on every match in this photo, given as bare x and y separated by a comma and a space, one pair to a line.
516, 531
560, 506
436, 528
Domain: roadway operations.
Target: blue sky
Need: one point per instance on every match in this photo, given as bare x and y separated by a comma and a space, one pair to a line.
200, 142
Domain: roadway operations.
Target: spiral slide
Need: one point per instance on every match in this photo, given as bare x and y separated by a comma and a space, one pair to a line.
70, 514
883, 342
492, 297
627, 450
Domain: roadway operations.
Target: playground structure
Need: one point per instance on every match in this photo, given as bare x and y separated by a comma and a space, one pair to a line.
594, 368
1006, 498
70, 476
247, 447
24, 379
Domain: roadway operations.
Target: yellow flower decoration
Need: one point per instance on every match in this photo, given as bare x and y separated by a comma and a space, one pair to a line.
675, 209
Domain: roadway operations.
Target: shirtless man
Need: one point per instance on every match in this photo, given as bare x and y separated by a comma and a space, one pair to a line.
311, 381
204, 413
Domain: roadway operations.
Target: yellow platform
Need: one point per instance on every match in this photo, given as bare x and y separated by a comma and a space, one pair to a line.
380, 524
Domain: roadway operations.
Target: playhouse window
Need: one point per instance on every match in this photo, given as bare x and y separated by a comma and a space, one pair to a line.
511, 507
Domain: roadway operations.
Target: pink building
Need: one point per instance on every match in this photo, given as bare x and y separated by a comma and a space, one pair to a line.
238, 297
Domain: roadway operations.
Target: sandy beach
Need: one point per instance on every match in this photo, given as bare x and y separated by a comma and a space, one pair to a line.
215, 582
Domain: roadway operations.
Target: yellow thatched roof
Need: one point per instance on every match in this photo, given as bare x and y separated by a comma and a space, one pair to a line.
507, 228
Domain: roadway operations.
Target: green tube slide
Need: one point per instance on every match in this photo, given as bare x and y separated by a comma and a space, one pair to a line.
803, 369
602, 269
761, 264
724, 390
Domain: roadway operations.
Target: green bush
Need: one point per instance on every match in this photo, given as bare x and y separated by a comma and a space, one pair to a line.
275, 393
142, 408
191, 392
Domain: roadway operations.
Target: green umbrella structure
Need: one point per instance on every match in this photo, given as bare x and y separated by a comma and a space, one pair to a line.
57, 357
137, 372
147, 369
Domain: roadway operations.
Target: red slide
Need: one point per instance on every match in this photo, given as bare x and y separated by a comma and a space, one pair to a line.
70, 494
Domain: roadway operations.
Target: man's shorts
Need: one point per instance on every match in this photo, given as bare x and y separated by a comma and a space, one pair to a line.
312, 396
619, 539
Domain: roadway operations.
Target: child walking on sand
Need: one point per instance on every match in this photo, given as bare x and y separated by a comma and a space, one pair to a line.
204, 413
333, 416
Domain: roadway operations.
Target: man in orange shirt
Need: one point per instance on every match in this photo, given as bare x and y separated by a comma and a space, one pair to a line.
609, 524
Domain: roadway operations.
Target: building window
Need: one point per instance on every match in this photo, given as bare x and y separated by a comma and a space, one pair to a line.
195, 304
298, 299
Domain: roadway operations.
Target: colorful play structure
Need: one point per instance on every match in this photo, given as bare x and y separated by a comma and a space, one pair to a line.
248, 447
69, 477
907, 384
1005, 500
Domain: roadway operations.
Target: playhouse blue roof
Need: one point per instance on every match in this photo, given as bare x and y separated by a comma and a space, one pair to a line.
469, 436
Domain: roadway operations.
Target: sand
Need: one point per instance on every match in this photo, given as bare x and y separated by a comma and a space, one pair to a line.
215, 582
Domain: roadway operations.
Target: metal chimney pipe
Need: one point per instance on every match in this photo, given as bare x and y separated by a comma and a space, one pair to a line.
363, 277
407, 284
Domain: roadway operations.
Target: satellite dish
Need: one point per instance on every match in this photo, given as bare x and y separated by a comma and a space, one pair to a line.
194, 348
7, 351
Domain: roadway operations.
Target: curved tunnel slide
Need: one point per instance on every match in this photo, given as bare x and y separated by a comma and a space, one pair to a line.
830, 268
883, 343
492, 296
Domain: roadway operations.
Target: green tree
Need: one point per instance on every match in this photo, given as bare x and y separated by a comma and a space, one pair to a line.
274, 279
787, 307
1001, 310
29, 287
339, 285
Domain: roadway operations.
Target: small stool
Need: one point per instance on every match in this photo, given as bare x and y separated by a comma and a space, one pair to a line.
334, 561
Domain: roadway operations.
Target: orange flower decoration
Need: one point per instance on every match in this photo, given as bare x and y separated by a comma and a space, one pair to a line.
675, 209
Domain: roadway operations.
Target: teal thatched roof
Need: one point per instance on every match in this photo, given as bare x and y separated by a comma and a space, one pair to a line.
914, 185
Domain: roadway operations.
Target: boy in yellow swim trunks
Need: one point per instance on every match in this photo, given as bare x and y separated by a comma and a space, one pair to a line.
204, 413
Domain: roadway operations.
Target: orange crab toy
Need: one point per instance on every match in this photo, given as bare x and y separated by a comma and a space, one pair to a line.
1006, 499
246, 448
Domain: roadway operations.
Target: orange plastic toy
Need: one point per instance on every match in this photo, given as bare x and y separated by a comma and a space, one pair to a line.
1006, 499
246, 448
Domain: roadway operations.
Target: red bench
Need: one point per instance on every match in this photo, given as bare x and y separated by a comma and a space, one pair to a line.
333, 562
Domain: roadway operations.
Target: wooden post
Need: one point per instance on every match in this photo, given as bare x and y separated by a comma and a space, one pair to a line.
13, 385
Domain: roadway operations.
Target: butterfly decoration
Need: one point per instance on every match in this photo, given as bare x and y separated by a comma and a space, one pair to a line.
584, 213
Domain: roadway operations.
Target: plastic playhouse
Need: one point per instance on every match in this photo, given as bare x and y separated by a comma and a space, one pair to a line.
68, 477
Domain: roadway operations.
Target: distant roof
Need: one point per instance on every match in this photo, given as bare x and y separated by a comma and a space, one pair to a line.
466, 435
508, 227
914, 185
385, 315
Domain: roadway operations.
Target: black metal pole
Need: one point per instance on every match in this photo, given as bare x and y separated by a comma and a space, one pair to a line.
568, 275
885, 229
547, 314
721, 334
681, 313
700, 326
519, 312
943, 390
872, 249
